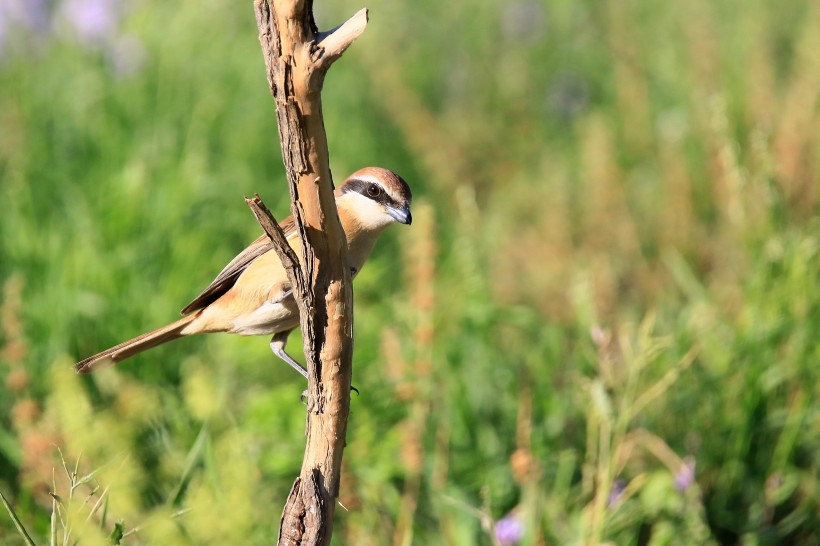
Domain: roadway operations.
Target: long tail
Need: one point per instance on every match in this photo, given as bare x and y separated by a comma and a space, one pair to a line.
135, 346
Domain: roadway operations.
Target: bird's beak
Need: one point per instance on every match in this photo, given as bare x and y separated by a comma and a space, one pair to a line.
401, 215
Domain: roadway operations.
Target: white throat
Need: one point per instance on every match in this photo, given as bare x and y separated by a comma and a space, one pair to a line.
369, 214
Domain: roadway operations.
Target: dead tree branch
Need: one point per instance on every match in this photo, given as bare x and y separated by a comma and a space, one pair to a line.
297, 57
280, 243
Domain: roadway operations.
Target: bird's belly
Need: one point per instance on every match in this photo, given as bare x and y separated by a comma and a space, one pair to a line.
269, 318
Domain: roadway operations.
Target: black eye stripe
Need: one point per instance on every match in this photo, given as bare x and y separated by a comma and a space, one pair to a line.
362, 187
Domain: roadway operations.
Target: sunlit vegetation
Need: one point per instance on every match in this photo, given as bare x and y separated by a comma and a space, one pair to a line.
602, 326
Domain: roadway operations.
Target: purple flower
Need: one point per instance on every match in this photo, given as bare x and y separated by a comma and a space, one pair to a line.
25, 14
22, 22
509, 530
616, 491
685, 475
93, 20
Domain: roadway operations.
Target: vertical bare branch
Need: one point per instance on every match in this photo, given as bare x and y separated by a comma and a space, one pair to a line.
297, 57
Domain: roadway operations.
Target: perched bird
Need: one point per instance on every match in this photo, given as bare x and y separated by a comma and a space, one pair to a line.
253, 296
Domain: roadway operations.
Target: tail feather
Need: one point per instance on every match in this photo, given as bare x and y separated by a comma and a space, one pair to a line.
135, 346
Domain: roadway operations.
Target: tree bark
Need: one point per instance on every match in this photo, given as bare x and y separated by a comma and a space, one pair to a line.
297, 57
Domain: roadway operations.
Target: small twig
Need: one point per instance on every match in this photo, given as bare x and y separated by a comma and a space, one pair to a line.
334, 42
52, 539
279, 241
97, 504
180, 513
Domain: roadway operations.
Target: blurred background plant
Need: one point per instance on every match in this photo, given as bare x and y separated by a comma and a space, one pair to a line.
601, 328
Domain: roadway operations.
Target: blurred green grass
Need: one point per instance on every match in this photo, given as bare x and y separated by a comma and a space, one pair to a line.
612, 278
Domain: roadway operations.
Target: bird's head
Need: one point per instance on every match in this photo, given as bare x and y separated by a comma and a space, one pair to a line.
376, 197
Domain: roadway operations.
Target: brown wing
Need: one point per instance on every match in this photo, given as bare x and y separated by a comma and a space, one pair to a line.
227, 277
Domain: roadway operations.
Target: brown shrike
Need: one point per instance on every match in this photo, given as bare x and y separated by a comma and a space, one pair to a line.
253, 296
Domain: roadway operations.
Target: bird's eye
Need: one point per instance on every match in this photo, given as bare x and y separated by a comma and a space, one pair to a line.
373, 190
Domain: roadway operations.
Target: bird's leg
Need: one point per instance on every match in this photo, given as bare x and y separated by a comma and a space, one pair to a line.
277, 345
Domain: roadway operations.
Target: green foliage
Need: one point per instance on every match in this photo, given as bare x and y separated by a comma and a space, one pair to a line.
601, 328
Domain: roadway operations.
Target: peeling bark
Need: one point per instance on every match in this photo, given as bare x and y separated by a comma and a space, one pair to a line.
297, 57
